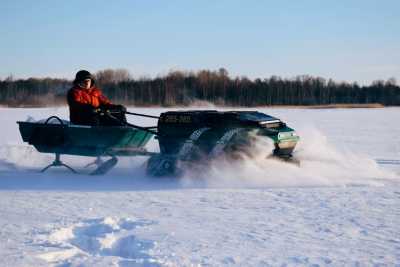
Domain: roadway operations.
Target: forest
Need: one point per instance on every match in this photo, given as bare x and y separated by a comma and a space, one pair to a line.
183, 88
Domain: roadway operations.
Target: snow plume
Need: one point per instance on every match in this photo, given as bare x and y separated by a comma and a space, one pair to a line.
22, 156
321, 164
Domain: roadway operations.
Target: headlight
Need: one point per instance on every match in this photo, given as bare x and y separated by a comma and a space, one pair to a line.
284, 135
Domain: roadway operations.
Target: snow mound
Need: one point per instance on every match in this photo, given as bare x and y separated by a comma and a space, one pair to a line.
108, 239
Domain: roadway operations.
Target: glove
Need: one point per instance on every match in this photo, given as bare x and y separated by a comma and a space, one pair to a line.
121, 108
98, 111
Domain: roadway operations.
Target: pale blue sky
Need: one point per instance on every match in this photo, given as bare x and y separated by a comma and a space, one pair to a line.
344, 40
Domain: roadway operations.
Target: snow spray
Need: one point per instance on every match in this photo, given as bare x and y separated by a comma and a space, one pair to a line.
321, 164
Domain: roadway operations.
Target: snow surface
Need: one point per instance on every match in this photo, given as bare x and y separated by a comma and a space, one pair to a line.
338, 208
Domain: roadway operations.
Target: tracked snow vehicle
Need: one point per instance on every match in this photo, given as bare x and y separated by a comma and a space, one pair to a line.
200, 135
184, 137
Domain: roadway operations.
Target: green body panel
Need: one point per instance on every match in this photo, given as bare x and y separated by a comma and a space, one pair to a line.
285, 134
84, 140
210, 128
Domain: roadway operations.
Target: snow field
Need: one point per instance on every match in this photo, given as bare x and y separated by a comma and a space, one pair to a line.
337, 208
295, 226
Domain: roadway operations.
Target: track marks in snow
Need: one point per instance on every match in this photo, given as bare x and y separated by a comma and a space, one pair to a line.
82, 243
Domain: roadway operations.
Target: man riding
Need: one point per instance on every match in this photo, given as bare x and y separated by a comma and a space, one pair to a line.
88, 105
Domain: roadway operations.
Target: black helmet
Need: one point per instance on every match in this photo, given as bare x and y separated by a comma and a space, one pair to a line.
83, 75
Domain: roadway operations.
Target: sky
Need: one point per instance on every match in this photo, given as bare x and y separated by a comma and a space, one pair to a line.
353, 41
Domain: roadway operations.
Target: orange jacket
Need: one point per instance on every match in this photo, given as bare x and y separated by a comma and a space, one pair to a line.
92, 96
81, 103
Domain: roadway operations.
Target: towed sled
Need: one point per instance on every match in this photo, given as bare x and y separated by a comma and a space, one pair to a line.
184, 137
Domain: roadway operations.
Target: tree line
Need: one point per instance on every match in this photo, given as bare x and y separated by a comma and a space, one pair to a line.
217, 87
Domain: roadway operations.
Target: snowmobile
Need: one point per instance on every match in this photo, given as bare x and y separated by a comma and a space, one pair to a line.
190, 136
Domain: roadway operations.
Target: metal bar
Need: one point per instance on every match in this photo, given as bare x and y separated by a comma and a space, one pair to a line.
142, 128
141, 115
134, 126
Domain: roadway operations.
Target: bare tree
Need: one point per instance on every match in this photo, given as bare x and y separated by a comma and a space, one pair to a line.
111, 76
